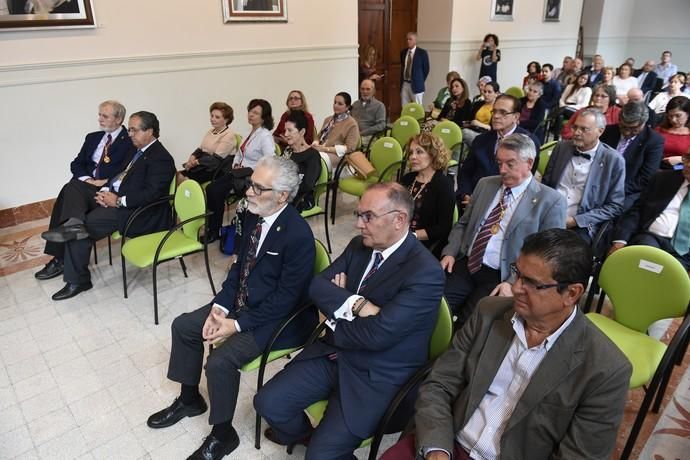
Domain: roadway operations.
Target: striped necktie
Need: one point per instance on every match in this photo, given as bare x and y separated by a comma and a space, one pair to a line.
378, 258
489, 229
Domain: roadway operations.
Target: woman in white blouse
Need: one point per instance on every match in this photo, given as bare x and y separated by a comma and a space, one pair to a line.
576, 95
624, 82
675, 83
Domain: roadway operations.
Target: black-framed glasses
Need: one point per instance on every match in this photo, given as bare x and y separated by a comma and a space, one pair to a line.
502, 112
134, 130
532, 284
258, 189
367, 216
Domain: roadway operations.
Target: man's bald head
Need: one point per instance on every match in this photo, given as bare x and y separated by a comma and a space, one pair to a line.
635, 95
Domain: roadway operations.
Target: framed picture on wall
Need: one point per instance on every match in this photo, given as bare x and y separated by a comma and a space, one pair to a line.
552, 10
254, 10
502, 10
46, 14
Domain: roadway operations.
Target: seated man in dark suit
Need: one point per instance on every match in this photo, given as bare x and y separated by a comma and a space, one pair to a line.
146, 179
275, 264
596, 71
487, 239
589, 174
381, 298
528, 377
661, 216
641, 147
481, 161
101, 157
646, 77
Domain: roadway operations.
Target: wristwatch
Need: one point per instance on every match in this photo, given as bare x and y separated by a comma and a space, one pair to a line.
118, 202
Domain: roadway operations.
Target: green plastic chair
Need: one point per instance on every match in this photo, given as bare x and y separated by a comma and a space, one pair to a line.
456, 214
644, 284
182, 239
451, 135
316, 210
439, 342
404, 128
414, 110
545, 155
515, 91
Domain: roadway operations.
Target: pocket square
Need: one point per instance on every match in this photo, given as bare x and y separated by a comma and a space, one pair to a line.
272, 253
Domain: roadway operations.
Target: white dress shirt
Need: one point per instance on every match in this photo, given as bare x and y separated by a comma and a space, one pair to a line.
665, 224
98, 153
574, 179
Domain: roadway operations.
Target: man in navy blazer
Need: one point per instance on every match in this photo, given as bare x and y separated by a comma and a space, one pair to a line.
145, 180
101, 157
268, 281
589, 174
414, 68
481, 161
646, 77
596, 71
381, 299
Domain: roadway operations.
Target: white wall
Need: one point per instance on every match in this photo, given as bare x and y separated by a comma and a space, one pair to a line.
172, 58
606, 27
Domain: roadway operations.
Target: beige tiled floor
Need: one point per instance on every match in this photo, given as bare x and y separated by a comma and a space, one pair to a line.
79, 378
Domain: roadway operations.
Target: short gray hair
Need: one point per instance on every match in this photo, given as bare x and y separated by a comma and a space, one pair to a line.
520, 144
119, 110
599, 117
285, 174
634, 113
537, 85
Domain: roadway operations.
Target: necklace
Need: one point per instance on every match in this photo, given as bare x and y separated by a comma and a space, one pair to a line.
419, 192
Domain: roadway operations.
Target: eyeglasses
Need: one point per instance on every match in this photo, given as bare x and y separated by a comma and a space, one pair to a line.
134, 130
367, 216
256, 188
531, 284
602, 95
584, 129
502, 113
295, 98
624, 128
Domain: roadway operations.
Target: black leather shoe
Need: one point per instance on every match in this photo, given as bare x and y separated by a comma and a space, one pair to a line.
215, 449
52, 269
271, 436
176, 412
66, 233
70, 290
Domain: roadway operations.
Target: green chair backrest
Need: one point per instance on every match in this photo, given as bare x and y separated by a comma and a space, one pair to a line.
238, 140
456, 214
449, 132
384, 152
443, 331
645, 284
545, 156
322, 259
322, 182
276, 150
515, 91
414, 110
173, 186
404, 128
190, 202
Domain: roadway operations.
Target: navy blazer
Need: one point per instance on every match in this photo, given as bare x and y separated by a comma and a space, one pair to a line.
278, 283
377, 354
120, 149
420, 68
481, 161
147, 180
649, 82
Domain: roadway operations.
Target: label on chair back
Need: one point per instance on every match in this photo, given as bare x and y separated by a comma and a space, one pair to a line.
650, 266
187, 194
388, 145
445, 130
404, 123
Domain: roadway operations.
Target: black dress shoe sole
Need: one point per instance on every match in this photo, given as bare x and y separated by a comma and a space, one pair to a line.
63, 236
64, 294
187, 412
48, 274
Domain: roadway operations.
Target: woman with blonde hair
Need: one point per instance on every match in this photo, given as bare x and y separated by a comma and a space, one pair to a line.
295, 101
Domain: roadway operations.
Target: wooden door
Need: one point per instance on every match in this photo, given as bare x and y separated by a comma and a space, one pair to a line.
384, 24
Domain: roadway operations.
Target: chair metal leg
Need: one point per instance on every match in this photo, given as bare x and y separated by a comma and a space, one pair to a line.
155, 294
124, 277
110, 251
334, 191
184, 267
95, 253
328, 237
208, 270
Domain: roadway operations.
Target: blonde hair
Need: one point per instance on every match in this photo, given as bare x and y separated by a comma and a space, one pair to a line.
434, 146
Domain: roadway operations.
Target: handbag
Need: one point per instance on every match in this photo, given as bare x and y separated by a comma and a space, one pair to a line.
227, 239
361, 165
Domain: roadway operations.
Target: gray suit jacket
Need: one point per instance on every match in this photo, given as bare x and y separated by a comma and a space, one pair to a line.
539, 209
570, 409
604, 192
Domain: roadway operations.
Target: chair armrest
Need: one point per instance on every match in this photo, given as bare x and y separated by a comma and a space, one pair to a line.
398, 163
137, 212
177, 227
374, 137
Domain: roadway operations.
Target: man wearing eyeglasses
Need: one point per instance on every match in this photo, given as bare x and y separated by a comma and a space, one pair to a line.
481, 161
527, 376
145, 179
589, 174
268, 281
487, 238
381, 298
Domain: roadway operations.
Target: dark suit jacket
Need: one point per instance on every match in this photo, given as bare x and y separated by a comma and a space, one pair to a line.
147, 180
536, 116
598, 79
481, 161
642, 159
570, 409
420, 68
120, 150
377, 354
661, 189
604, 191
278, 283
649, 82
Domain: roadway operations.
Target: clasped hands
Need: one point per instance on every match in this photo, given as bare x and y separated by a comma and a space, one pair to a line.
369, 309
106, 199
217, 326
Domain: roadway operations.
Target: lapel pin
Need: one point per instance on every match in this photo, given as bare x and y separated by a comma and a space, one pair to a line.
534, 201
278, 228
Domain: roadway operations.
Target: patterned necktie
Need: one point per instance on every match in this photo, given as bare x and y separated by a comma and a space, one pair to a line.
250, 261
623, 144
408, 66
378, 258
681, 237
104, 156
489, 229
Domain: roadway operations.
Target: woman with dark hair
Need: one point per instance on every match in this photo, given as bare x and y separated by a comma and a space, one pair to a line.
307, 158
489, 55
218, 143
532, 107
675, 128
339, 134
295, 101
458, 107
481, 114
624, 82
431, 190
576, 95
257, 144
675, 85
603, 99
533, 74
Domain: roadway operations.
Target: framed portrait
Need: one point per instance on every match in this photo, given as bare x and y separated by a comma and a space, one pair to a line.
552, 10
46, 14
502, 10
254, 10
